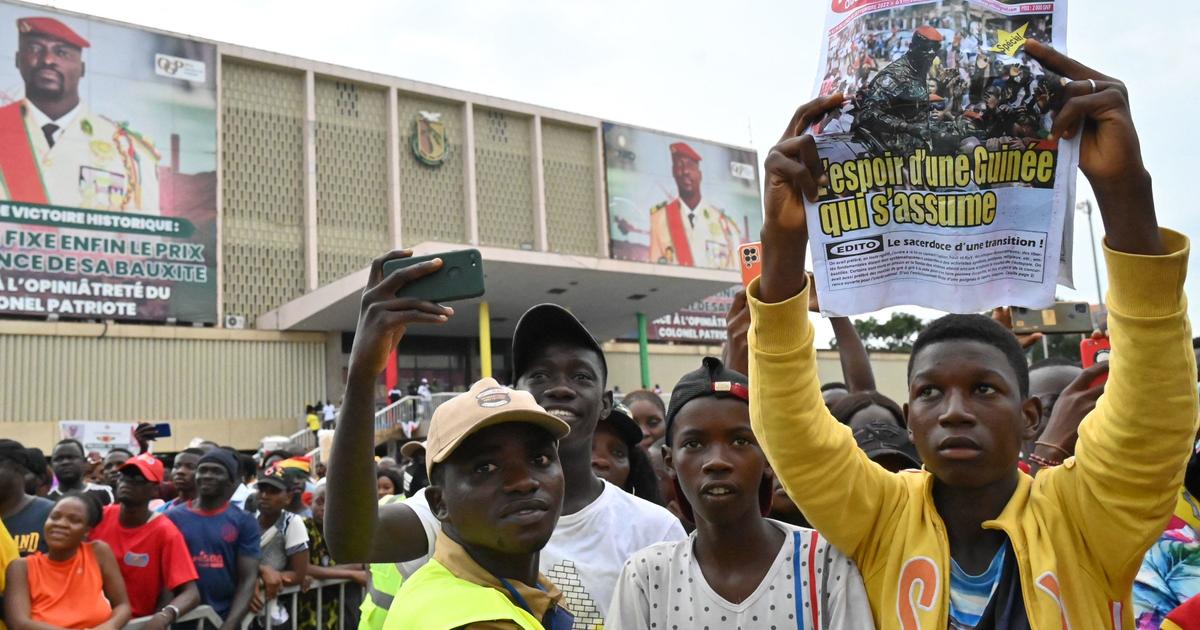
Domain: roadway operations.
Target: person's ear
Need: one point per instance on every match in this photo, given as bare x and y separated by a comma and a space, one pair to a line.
82, 69
1031, 412
606, 404
907, 425
437, 503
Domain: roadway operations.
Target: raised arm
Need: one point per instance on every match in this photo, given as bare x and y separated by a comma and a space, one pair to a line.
357, 529
1132, 449
856, 363
805, 445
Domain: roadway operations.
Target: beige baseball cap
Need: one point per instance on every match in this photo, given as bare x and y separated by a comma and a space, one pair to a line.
487, 403
410, 448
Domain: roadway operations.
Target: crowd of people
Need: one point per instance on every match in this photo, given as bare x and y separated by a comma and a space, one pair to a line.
998, 495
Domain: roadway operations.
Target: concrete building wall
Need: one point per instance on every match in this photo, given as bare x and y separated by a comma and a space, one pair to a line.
229, 386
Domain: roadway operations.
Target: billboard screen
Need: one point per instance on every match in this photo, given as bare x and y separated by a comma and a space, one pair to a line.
679, 201
107, 170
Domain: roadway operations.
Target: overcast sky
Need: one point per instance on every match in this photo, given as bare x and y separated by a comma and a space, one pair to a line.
726, 71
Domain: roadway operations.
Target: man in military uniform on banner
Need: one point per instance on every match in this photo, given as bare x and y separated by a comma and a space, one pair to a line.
53, 149
687, 230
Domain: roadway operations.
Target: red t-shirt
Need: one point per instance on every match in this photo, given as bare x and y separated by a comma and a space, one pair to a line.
152, 557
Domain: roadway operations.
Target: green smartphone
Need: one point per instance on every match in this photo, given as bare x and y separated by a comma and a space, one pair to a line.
460, 278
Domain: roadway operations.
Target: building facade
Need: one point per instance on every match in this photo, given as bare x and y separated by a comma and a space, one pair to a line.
300, 173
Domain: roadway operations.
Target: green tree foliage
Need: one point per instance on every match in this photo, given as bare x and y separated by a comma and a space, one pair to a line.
894, 335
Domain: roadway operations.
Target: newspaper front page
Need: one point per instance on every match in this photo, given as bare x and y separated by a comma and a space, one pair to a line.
945, 189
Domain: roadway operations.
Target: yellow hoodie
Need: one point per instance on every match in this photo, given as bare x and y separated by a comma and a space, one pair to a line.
1078, 531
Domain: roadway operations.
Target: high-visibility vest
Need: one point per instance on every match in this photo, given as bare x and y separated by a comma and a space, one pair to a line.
381, 587
433, 598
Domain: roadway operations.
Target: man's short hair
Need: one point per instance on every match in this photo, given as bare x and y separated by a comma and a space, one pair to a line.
834, 385
77, 443
120, 449
246, 465
191, 450
978, 328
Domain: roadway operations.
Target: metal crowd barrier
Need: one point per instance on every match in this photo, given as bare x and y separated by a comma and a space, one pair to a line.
292, 594
204, 617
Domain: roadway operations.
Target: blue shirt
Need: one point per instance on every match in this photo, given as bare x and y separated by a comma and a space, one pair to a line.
216, 539
970, 594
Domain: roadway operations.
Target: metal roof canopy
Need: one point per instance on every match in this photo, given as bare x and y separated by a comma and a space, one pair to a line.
603, 293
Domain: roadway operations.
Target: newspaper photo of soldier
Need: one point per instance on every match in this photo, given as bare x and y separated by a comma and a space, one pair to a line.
942, 142
938, 77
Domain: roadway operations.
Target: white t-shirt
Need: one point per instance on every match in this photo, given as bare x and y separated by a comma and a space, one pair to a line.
663, 587
588, 549
240, 494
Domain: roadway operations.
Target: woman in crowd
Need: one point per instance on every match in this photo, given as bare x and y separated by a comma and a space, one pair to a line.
618, 458
388, 481
647, 409
76, 584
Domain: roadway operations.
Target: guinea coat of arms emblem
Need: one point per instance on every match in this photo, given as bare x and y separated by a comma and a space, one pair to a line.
429, 138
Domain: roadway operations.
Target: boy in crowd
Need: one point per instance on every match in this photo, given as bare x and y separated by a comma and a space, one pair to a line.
970, 542
222, 539
284, 541
497, 488
24, 515
557, 361
739, 569
183, 477
150, 551
69, 462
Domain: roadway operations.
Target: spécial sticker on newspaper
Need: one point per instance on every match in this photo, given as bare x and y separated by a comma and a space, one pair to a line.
945, 188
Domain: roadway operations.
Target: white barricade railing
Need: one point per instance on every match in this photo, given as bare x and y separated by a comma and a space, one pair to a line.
202, 616
289, 597
402, 418
304, 439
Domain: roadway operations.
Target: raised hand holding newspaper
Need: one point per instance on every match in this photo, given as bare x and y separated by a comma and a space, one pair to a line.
944, 185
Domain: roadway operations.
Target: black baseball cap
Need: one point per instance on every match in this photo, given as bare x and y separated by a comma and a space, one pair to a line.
274, 477
879, 438
627, 428
543, 325
711, 380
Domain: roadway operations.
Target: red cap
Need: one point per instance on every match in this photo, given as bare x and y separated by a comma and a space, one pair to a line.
51, 27
930, 33
146, 464
682, 149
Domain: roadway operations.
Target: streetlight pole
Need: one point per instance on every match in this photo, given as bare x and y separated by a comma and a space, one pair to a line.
1086, 206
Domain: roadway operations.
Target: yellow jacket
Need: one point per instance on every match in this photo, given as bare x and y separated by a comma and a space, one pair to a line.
1078, 531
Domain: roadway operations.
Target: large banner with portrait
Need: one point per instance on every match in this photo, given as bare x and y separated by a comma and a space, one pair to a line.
107, 170
945, 187
678, 201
